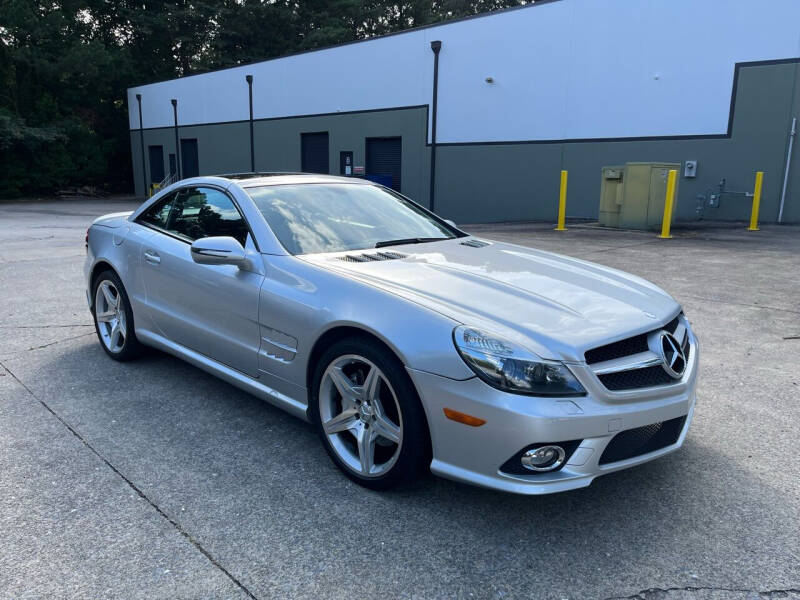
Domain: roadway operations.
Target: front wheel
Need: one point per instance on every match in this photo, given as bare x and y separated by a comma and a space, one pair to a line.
113, 317
368, 414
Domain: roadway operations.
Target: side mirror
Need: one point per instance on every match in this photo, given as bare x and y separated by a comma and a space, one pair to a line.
449, 222
222, 250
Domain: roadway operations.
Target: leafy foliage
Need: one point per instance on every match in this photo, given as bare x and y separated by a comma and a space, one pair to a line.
65, 66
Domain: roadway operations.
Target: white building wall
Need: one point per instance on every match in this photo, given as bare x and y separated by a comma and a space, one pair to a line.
567, 69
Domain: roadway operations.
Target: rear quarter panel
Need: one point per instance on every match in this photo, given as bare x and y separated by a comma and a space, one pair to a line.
120, 247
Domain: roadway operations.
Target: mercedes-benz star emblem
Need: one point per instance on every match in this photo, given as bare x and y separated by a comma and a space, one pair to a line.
672, 357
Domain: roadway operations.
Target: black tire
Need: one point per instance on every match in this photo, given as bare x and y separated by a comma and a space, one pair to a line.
130, 348
415, 453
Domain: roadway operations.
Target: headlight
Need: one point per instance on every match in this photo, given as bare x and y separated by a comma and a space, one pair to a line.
509, 367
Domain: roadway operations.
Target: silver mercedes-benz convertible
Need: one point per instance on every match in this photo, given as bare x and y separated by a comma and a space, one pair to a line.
408, 343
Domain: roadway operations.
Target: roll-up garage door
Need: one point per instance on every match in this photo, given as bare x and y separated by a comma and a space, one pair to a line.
156, 163
384, 159
190, 161
314, 151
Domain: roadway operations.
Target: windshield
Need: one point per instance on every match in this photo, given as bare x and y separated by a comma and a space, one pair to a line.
322, 217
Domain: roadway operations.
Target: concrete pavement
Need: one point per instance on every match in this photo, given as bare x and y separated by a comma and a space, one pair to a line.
152, 479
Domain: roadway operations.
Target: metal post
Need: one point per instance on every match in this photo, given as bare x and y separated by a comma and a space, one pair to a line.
669, 202
177, 143
436, 46
562, 203
756, 201
141, 143
792, 135
249, 79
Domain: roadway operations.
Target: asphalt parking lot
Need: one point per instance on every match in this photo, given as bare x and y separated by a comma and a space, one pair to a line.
152, 479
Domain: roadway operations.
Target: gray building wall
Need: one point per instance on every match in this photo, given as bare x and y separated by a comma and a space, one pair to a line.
225, 148
507, 182
519, 181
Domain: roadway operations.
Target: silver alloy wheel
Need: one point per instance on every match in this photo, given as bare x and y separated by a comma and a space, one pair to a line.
360, 415
109, 311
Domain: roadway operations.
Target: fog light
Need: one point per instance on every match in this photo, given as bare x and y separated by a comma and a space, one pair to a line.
545, 458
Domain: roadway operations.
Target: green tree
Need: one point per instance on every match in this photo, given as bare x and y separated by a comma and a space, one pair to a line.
65, 66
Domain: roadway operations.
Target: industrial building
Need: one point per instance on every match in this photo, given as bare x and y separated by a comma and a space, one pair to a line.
477, 117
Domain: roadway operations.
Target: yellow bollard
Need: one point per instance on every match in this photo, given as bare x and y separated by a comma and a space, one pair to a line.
669, 202
756, 201
562, 203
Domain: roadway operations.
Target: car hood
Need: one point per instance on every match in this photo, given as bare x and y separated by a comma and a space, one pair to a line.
557, 306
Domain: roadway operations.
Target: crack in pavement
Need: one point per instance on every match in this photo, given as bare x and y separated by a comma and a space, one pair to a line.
133, 486
744, 304
613, 248
74, 337
660, 593
41, 258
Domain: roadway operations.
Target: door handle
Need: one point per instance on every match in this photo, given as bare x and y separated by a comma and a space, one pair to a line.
152, 257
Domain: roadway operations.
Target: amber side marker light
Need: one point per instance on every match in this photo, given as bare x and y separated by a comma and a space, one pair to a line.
460, 417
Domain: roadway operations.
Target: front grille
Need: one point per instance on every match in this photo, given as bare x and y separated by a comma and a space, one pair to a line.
672, 325
635, 374
619, 349
626, 347
642, 440
636, 378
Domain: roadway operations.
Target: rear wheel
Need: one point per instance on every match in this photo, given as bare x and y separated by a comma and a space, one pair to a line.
113, 317
368, 414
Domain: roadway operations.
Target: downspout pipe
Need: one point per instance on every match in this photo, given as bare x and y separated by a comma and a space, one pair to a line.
177, 144
141, 143
436, 46
249, 79
792, 135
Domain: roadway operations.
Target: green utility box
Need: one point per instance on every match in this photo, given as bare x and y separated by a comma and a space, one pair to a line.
633, 196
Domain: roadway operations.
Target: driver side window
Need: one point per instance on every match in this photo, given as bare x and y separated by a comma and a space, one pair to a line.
158, 214
205, 212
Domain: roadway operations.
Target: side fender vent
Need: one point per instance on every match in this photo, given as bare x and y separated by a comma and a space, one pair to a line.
371, 257
475, 243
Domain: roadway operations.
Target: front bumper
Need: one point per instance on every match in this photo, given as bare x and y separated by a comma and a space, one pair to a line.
475, 454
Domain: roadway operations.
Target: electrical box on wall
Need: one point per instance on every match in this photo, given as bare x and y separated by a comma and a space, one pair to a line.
346, 163
690, 169
611, 196
633, 196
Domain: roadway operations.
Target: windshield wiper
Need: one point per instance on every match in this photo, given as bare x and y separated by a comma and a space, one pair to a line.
417, 240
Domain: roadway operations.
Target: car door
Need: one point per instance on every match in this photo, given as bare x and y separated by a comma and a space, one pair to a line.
211, 309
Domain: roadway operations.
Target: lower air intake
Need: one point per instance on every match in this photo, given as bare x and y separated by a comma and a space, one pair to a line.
642, 440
